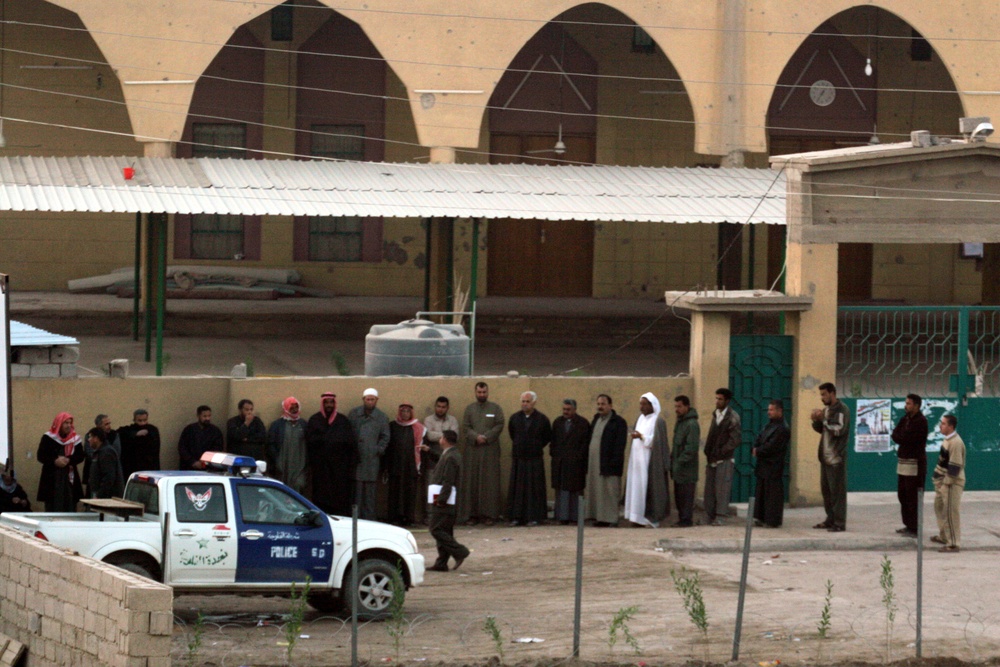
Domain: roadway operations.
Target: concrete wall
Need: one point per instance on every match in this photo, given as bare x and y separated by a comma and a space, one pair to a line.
71, 610
171, 402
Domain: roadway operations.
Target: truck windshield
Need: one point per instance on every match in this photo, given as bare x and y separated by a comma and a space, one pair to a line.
145, 493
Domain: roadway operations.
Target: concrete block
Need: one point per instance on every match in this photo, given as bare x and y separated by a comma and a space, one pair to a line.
137, 621
150, 598
33, 355
68, 370
118, 368
45, 370
64, 354
140, 645
161, 623
20, 370
158, 661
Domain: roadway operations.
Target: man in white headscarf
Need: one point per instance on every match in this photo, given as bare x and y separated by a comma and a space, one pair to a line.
646, 499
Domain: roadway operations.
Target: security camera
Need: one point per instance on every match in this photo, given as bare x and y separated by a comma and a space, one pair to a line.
982, 131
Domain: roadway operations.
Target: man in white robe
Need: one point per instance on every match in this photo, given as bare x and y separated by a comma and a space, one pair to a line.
645, 486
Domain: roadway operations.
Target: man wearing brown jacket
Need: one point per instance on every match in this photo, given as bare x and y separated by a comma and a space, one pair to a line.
724, 436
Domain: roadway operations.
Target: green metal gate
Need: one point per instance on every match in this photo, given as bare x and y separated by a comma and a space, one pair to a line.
950, 355
760, 369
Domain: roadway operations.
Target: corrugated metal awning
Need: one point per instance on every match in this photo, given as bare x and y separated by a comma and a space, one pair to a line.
25, 335
379, 189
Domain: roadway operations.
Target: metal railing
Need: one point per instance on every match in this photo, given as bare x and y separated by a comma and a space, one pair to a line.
929, 350
472, 329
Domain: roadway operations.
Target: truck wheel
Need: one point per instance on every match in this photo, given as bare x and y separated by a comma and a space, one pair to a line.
325, 602
136, 566
375, 589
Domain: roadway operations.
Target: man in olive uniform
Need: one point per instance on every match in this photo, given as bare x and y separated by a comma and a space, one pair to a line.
441, 508
684, 462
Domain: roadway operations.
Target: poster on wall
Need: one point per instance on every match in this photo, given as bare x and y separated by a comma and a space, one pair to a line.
873, 424
933, 409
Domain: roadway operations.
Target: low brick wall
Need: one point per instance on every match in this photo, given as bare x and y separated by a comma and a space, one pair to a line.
71, 610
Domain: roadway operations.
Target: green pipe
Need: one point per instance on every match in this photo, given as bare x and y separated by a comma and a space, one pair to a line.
136, 275
448, 228
150, 256
474, 278
751, 238
427, 264
963, 351
161, 288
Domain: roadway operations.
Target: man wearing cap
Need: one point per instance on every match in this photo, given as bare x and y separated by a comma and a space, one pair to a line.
372, 429
332, 447
401, 464
482, 425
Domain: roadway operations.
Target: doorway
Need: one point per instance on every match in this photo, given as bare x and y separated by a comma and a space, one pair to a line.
552, 258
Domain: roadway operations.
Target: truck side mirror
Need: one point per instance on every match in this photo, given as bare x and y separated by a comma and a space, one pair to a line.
312, 518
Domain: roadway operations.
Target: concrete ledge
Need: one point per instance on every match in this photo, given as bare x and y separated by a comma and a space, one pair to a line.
775, 545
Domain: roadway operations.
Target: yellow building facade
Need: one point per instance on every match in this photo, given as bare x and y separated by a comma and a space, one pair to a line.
624, 82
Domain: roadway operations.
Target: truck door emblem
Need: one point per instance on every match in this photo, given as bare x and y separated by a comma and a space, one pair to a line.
200, 502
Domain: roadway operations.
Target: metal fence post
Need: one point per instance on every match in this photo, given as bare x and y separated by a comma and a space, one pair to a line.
743, 579
920, 570
581, 513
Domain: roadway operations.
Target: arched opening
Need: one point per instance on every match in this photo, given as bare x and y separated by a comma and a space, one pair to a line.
590, 87
864, 76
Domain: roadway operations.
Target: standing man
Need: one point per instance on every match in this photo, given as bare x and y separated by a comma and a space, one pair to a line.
333, 453
949, 482
570, 440
833, 424
530, 433
441, 510
60, 451
140, 443
197, 438
646, 488
770, 448
401, 464
911, 469
286, 447
606, 463
482, 425
105, 470
246, 434
372, 429
434, 427
724, 436
684, 463
102, 422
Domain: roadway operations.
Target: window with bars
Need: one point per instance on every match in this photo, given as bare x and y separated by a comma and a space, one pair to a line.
343, 142
337, 239
218, 236
226, 140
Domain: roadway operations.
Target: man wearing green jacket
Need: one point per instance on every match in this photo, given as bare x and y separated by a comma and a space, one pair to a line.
684, 465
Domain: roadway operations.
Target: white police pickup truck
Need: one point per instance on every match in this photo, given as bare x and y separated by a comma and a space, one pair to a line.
234, 533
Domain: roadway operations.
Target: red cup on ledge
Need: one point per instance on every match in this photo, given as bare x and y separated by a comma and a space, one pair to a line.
129, 173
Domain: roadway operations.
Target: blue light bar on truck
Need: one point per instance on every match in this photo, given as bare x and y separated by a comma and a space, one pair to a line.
233, 464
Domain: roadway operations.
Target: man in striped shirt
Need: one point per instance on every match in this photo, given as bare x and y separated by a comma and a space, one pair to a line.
949, 482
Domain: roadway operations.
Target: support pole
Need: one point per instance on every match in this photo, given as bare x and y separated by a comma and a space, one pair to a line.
743, 580
448, 228
427, 264
354, 584
581, 512
137, 275
920, 571
751, 266
148, 292
161, 287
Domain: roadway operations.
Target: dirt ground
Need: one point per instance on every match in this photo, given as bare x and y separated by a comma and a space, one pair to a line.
524, 577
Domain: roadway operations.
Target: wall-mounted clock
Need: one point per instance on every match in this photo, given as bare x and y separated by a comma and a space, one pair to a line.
822, 93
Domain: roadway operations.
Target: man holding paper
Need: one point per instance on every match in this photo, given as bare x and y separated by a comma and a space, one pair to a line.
441, 494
